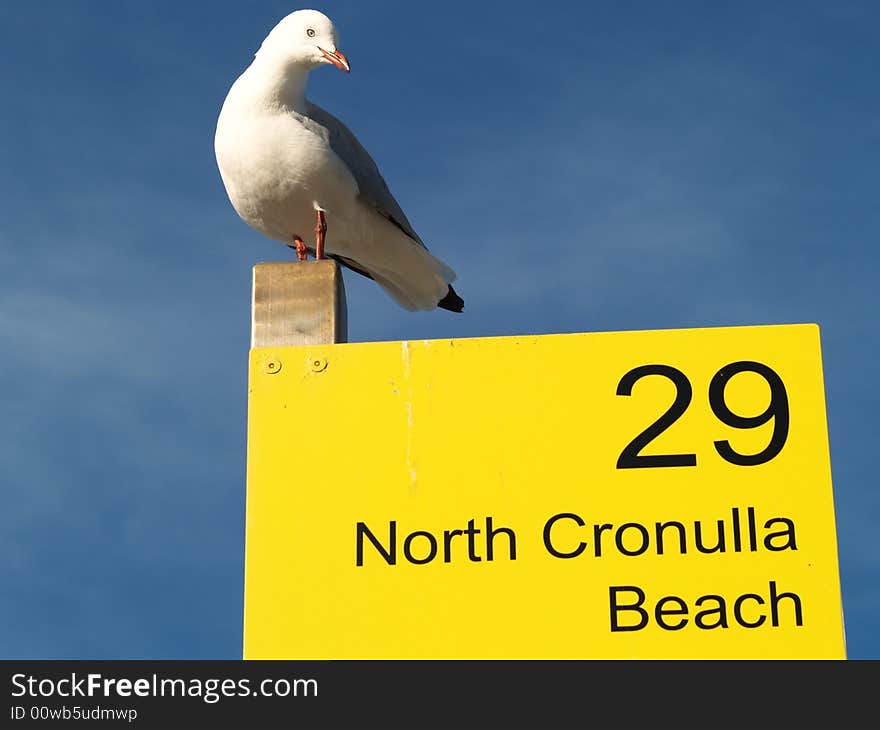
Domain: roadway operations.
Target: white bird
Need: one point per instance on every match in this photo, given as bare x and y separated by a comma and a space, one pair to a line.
288, 165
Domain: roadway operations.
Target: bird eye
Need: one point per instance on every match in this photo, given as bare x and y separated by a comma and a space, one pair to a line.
310, 32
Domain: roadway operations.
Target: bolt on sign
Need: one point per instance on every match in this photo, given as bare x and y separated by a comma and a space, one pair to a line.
656, 494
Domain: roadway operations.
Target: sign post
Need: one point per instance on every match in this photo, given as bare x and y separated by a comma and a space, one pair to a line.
657, 494
298, 303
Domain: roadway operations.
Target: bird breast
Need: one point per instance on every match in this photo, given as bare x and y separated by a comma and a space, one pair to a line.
277, 167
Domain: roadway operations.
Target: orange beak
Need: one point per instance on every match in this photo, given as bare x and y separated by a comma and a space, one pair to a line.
337, 58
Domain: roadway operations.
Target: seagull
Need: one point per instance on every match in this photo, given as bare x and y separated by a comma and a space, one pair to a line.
288, 165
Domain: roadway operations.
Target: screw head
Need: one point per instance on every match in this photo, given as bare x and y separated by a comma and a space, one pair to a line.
317, 364
271, 366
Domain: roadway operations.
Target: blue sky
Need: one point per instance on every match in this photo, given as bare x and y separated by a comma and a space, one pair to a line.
584, 167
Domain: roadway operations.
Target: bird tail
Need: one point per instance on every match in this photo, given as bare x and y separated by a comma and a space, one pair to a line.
407, 297
417, 280
451, 302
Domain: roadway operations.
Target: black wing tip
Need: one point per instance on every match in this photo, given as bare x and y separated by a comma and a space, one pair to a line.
451, 302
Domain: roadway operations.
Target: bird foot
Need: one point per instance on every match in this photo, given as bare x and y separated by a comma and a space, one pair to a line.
302, 253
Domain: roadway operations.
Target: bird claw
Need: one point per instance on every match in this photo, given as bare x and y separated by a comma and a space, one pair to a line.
302, 253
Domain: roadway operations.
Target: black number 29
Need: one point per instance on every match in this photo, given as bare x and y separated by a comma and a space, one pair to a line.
632, 458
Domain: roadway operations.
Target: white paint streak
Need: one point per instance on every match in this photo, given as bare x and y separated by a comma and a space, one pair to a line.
407, 363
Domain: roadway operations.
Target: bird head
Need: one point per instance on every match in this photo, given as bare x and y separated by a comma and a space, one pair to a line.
306, 38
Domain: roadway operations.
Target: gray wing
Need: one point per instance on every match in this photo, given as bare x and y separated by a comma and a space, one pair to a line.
373, 188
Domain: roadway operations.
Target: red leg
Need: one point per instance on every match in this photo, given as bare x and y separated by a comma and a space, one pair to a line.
301, 251
320, 232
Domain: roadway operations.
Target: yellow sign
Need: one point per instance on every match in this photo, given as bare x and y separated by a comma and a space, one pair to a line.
660, 494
